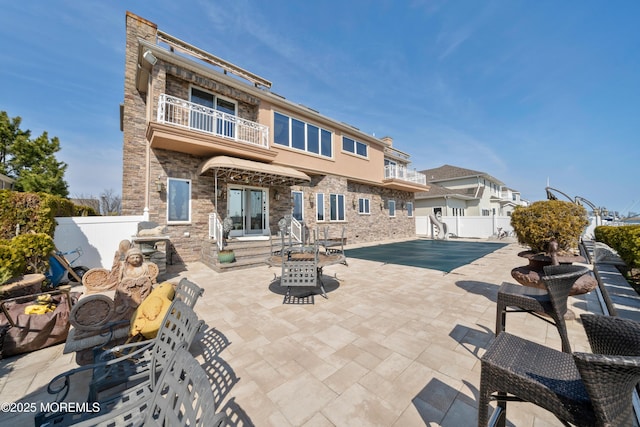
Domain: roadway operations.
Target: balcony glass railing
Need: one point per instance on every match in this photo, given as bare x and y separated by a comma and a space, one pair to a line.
179, 112
401, 172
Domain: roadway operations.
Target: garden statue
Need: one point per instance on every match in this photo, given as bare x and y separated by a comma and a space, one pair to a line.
134, 285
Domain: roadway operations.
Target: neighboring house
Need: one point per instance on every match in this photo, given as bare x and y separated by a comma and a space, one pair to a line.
456, 191
205, 140
6, 183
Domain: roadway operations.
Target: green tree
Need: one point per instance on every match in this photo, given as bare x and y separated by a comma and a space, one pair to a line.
9, 132
32, 162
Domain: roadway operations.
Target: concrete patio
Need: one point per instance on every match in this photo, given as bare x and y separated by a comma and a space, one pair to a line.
391, 346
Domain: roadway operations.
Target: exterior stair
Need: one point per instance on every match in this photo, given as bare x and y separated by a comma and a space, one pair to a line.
248, 254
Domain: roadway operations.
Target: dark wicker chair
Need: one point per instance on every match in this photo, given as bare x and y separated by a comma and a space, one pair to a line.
558, 280
584, 389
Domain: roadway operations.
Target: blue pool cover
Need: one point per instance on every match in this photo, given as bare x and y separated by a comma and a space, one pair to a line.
442, 255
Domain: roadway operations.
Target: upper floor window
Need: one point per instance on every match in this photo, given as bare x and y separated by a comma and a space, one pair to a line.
355, 147
410, 209
300, 135
207, 119
336, 207
178, 200
364, 206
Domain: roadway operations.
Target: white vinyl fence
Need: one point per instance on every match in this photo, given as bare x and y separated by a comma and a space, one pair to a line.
97, 236
466, 226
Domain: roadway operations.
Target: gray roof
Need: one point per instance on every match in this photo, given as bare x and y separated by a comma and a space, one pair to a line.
448, 173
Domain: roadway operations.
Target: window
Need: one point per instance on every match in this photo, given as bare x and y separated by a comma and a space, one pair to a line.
392, 208
356, 147
320, 206
297, 205
486, 212
205, 117
178, 200
300, 135
457, 211
336, 202
364, 206
410, 209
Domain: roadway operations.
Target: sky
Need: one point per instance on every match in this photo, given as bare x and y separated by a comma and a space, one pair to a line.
533, 93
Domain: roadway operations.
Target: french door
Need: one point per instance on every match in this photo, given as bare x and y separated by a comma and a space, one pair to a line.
248, 209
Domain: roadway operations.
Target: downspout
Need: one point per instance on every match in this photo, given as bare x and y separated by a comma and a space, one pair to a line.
149, 111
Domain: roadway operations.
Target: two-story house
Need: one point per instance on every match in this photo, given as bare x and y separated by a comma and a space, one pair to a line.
457, 191
206, 140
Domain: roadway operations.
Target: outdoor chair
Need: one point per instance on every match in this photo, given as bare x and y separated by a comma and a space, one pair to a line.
188, 292
552, 301
583, 389
135, 363
301, 270
182, 397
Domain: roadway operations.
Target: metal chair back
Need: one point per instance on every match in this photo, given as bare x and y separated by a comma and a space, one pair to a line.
188, 292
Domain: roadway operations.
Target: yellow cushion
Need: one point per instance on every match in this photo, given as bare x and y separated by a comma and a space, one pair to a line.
147, 318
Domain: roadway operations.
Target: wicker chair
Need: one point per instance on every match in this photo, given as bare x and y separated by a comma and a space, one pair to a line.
558, 281
584, 389
134, 363
183, 396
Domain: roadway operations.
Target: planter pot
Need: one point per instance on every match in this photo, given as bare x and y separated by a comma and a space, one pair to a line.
226, 256
24, 285
529, 275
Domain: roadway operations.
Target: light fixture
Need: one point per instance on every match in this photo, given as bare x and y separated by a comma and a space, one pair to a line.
160, 186
149, 57
354, 203
276, 195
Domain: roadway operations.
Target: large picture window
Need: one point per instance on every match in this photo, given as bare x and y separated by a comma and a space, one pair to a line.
336, 202
178, 200
300, 135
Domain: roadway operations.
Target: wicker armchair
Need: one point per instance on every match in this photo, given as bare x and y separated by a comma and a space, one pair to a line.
558, 280
584, 389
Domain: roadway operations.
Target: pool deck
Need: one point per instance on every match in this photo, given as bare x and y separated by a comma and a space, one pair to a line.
391, 346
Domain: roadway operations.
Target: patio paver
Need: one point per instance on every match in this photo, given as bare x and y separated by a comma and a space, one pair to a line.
391, 346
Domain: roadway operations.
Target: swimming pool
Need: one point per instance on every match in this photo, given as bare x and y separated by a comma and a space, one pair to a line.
442, 255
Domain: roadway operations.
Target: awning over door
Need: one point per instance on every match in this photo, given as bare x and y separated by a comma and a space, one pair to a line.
246, 171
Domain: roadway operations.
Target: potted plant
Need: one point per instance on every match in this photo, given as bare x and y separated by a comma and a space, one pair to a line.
226, 255
551, 229
23, 262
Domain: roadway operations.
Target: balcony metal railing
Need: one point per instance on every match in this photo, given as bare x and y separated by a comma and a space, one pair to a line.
401, 172
179, 112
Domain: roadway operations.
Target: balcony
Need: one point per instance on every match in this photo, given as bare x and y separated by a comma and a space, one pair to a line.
400, 178
195, 129
404, 174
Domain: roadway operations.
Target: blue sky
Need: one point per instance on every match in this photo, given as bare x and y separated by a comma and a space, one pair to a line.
529, 92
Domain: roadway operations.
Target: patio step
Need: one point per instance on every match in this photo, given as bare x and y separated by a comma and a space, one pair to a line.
248, 254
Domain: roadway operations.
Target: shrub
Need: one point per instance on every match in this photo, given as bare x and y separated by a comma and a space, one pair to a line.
12, 261
624, 239
537, 224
